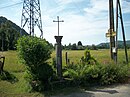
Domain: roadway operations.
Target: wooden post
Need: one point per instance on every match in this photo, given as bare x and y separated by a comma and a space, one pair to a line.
66, 57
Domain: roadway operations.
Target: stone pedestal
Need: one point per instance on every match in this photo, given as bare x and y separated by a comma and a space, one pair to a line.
59, 56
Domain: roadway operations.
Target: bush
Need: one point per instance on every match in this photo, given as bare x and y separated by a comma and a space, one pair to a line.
97, 74
113, 73
88, 59
91, 73
34, 53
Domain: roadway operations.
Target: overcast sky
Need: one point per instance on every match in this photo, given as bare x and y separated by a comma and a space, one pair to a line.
84, 20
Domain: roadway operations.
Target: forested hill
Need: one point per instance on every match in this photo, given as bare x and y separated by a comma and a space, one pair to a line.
3, 20
120, 45
9, 34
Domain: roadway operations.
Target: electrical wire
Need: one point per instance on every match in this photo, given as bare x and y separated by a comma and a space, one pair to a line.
10, 5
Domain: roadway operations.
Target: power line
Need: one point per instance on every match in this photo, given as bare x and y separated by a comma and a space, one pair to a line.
10, 5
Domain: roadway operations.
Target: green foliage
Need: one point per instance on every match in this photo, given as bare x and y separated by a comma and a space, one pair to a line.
34, 53
33, 50
90, 72
3, 20
88, 59
113, 73
79, 43
9, 33
8, 36
97, 74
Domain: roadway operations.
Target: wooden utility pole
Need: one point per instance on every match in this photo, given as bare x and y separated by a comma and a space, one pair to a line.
117, 30
111, 32
122, 26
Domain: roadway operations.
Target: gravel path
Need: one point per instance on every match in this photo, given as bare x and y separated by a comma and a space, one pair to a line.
112, 91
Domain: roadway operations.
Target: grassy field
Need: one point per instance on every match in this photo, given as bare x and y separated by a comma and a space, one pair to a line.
103, 56
16, 88
19, 87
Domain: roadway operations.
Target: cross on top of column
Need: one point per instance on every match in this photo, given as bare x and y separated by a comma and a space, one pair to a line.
58, 23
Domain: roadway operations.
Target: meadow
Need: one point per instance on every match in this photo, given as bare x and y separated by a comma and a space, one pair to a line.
102, 56
19, 87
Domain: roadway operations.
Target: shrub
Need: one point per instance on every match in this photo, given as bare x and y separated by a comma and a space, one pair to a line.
88, 59
97, 74
34, 53
113, 73
91, 74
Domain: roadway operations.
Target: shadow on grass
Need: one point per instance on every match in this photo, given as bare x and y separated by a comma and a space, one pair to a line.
5, 75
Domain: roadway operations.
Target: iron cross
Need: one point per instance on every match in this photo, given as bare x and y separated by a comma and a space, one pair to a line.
58, 23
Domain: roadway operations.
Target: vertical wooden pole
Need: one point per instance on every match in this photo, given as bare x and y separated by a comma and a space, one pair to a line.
66, 57
123, 32
116, 30
112, 38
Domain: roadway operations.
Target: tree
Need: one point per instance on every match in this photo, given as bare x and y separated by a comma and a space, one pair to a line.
3, 38
74, 47
94, 47
9, 36
70, 46
80, 43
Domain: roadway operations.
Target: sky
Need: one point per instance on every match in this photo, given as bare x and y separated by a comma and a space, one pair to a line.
84, 20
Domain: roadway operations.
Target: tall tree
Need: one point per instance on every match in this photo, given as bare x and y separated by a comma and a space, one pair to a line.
80, 43
74, 47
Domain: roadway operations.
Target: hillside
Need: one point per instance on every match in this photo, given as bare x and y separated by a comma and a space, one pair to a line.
16, 27
120, 44
9, 34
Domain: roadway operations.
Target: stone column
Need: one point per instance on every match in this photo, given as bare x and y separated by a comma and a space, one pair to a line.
59, 56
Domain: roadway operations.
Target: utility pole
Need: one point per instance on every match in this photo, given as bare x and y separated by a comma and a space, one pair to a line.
111, 32
118, 8
31, 16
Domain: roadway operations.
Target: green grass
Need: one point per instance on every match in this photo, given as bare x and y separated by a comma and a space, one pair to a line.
103, 56
20, 87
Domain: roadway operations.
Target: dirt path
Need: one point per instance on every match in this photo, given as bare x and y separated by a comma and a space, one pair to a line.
112, 91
